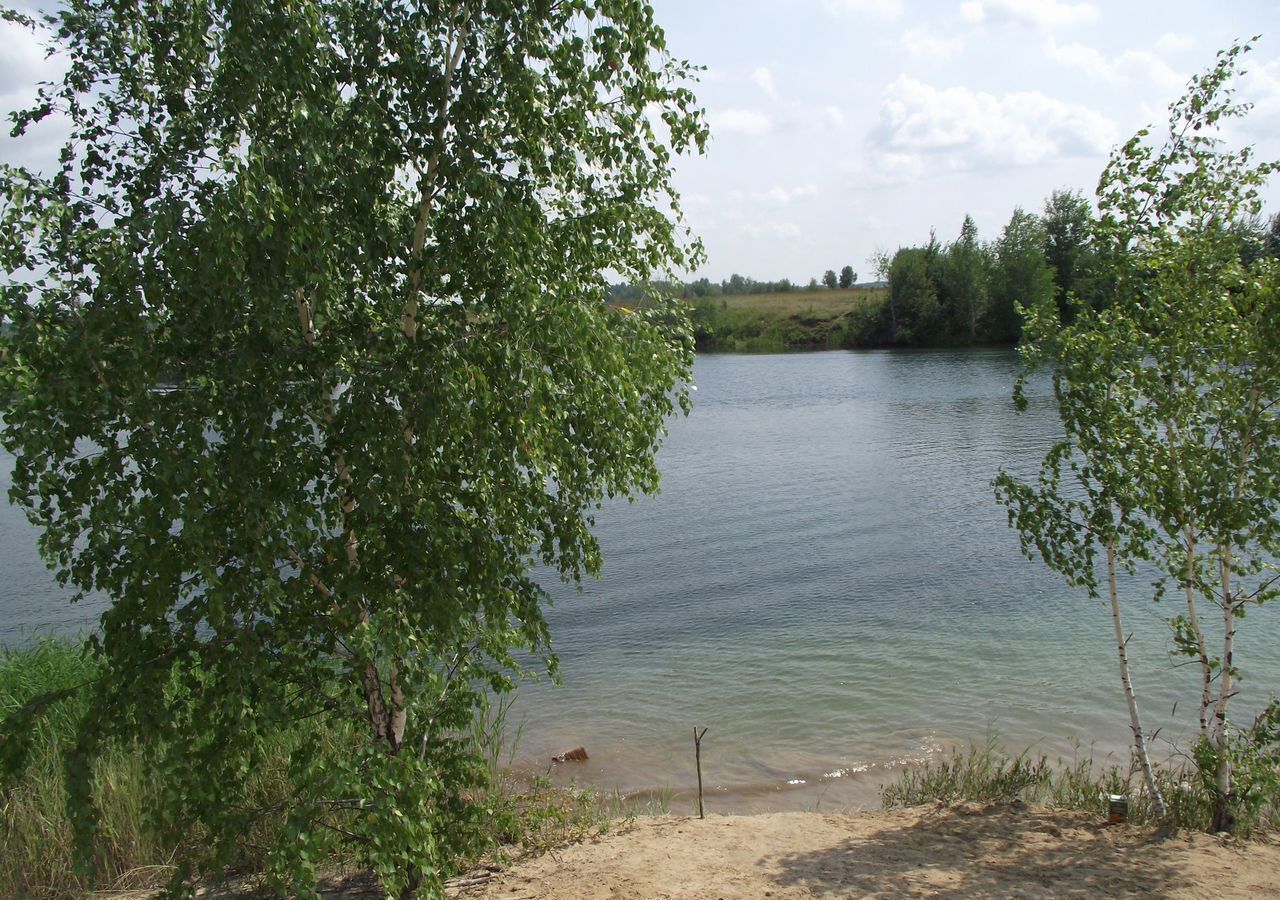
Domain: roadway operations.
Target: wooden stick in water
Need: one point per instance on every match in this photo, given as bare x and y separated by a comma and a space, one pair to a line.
697, 757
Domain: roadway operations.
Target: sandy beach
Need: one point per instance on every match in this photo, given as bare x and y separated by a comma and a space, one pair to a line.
968, 850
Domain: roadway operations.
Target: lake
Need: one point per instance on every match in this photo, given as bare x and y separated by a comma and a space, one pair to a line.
827, 585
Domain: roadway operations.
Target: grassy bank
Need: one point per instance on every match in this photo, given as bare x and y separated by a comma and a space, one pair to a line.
132, 851
795, 320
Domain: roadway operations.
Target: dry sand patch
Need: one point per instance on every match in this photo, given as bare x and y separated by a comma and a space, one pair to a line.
969, 850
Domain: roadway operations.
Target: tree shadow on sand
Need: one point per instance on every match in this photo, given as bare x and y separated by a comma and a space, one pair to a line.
1004, 850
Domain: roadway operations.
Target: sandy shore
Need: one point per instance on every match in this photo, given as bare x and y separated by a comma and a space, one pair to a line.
970, 850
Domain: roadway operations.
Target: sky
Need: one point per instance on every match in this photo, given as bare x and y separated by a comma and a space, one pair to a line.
840, 127
844, 127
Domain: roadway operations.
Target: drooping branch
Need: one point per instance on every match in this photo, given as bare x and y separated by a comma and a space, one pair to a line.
449, 677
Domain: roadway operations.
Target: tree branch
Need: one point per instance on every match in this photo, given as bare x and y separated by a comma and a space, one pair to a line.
427, 186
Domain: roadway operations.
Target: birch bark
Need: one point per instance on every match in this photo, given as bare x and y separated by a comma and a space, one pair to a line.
1135, 722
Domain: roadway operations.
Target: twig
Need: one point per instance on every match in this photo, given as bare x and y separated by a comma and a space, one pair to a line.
469, 881
697, 756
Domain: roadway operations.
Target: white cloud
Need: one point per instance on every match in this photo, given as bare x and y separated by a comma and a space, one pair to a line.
740, 121
22, 58
881, 9
1129, 66
777, 195
882, 168
1260, 85
24, 63
899, 168
763, 79
922, 127
1174, 43
1037, 13
782, 231
781, 196
834, 116
921, 43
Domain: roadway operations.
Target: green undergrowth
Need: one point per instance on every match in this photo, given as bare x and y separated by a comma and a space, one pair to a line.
131, 850
987, 773
37, 860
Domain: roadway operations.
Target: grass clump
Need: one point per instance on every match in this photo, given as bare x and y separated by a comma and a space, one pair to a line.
38, 857
982, 774
986, 773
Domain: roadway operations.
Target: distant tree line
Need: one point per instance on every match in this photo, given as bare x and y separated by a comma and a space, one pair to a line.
734, 286
967, 291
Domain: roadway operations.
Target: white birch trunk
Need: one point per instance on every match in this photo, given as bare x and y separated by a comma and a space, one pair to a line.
1202, 651
1135, 722
1221, 735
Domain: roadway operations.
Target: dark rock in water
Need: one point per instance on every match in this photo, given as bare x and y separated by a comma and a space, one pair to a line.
577, 754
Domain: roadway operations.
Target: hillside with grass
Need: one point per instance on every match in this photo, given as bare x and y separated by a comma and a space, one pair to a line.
791, 320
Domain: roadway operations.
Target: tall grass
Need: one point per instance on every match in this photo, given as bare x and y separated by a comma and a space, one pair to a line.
36, 830
527, 815
800, 320
35, 823
986, 773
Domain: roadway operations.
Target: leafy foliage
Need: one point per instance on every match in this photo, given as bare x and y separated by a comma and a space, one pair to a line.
1068, 249
310, 363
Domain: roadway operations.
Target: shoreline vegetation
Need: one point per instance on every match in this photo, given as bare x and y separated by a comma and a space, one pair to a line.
525, 817
964, 293
319, 558
790, 322
38, 820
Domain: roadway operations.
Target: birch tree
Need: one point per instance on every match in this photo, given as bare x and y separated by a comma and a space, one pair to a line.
1168, 398
310, 363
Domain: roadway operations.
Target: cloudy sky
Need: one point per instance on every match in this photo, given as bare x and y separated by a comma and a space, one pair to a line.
844, 126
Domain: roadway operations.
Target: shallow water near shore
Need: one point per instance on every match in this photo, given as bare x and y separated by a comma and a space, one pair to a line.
827, 585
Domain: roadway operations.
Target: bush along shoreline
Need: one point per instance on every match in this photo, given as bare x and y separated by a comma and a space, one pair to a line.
134, 851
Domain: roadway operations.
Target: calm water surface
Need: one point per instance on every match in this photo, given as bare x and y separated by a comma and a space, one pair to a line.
826, 584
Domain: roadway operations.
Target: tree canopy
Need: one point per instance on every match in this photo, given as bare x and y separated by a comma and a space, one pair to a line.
310, 364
